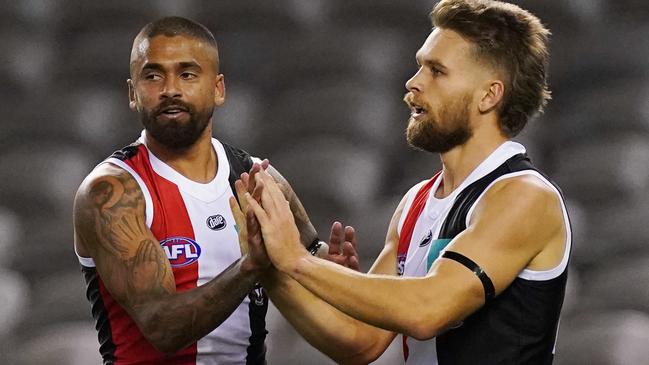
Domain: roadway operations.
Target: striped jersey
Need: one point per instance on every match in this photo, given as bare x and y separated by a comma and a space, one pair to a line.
519, 326
196, 229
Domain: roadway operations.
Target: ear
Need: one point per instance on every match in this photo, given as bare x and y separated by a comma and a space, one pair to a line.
492, 97
219, 90
131, 95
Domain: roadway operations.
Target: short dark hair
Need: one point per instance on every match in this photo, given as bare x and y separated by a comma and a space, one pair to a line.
178, 26
511, 40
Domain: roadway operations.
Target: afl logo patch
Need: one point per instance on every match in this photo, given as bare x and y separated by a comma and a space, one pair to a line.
181, 251
216, 222
426, 240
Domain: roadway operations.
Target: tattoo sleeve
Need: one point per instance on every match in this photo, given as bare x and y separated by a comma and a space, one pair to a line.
304, 225
109, 222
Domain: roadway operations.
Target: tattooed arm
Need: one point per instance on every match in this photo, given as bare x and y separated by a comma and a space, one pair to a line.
306, 229
109, 213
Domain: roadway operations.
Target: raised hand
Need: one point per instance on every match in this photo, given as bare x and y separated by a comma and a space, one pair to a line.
248, 178
280, 234
343, 246
250, 238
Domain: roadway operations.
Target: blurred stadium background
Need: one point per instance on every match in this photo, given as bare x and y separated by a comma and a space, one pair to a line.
316, 86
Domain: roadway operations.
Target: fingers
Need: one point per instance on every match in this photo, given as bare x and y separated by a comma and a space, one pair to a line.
336, 237
254, 230
241, 189
353, 263
254, 170
350, 236
265, 163
272, 193
236, 212
240, 225
261, 215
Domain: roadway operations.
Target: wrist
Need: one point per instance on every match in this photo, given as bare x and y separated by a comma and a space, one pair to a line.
249, 266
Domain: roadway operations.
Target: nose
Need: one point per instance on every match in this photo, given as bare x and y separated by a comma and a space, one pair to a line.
414, 83
170, 88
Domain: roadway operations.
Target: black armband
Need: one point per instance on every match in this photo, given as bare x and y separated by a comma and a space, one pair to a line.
489, 291
314, 246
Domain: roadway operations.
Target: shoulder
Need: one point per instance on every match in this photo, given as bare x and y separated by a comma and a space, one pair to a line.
106, 186
528, 199
525, 189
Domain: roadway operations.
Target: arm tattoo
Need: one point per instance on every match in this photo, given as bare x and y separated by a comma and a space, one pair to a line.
304, 225
109, 220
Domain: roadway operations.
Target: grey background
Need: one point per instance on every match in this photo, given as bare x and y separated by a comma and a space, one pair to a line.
316, 86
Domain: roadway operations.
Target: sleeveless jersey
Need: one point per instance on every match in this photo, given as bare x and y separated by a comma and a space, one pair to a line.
519, 326
196, 229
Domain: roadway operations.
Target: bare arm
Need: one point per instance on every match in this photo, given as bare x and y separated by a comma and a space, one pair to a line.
339, 336
516, 222
304, 225
109, 224
342, 253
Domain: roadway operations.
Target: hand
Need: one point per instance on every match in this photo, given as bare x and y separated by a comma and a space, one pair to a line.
250, 239
343, 247
248, 178
280, 234
244, 184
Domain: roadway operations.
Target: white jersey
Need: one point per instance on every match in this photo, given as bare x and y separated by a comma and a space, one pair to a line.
433, 231
197, 231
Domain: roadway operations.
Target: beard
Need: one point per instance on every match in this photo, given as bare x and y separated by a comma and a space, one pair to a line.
440, 136
174, 134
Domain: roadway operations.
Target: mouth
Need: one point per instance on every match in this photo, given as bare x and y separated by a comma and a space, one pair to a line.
173, 110
416, 110
173, 113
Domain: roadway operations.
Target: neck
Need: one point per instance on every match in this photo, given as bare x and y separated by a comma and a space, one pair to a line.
197, 162
459, 162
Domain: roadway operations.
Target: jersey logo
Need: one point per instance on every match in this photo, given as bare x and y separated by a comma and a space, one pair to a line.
216, 222
181, 251
426, 240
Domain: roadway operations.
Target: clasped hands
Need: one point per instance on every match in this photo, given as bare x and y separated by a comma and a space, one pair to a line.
268, 233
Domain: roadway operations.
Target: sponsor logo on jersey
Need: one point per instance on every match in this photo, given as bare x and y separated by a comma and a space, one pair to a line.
181, 251
426, 240
216, 222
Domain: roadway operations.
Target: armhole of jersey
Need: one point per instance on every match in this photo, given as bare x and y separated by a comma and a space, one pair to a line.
527, 274
145, 191
411, 194
84, 261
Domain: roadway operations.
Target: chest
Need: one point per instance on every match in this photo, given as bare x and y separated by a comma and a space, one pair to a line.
427, 240
199, 238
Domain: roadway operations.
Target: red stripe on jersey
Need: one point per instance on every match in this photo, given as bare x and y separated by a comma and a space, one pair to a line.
407, 229
170, 219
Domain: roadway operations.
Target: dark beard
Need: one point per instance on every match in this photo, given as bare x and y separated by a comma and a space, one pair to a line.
176, 135
428, 135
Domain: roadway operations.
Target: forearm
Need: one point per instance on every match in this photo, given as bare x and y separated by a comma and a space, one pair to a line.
334, 333
308, 233
173, 322
368, 297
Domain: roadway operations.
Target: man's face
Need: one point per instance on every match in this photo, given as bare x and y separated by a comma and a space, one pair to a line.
174, 88
441, 93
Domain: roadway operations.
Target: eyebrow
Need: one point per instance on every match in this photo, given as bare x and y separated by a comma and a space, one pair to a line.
182, 65
431, 62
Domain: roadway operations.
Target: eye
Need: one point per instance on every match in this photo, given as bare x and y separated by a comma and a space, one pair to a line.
152, 76
435, 71
188, 75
